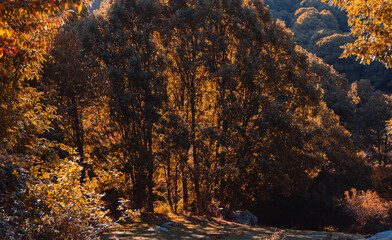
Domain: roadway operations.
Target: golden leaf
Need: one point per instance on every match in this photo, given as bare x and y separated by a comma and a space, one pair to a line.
80, 6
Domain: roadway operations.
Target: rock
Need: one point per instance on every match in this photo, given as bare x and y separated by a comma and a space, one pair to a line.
242, 217
172, 224
382, 236
168, 224
319, 236
157, 229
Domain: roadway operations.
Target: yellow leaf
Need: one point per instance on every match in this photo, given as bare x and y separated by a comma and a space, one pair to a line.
80, 7
66, 5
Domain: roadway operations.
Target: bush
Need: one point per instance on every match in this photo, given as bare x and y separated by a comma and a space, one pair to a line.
69, 209
49, 203
366, 207
41, 195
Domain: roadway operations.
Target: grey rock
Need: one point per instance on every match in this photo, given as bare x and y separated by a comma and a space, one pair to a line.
382, 236
157, 229
243, 217
168, 224
319, 236
172, 224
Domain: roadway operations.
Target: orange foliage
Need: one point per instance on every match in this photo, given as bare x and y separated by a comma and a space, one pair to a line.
366, 206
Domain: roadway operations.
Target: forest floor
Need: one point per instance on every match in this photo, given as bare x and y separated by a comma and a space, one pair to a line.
214, 228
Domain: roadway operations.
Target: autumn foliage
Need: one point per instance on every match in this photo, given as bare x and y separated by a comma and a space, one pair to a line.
41, 193
366, 206
182, 106
371, 25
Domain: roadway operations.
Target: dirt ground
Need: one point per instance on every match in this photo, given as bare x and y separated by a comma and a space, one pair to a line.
213, 228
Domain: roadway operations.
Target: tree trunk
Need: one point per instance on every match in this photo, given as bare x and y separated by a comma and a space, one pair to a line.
150, 185
175, 189
184, 187
168, 183
150, 165
194, 154
139, 191
77, 126
379, 148
386, 150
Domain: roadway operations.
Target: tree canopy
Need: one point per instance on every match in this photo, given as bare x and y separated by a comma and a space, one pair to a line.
41, 194
188, 106
371, 24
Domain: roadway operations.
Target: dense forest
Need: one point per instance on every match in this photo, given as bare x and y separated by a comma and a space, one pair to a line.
322, 29
116, 108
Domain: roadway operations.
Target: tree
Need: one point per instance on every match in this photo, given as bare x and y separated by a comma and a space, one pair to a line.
320, 36
25, 31
66, 74
216, 101
39, 177
371, 25
373, 109
336, 90
137, 91
308, 23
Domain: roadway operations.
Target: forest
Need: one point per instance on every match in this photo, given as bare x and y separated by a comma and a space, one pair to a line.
113, 109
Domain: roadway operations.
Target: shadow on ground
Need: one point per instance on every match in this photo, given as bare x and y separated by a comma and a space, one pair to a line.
213, 228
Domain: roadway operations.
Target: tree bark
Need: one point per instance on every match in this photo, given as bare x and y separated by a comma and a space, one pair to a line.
194, 154
77, 126
168, 183
184, 187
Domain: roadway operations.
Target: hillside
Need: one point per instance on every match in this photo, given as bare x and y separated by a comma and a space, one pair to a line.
322, 30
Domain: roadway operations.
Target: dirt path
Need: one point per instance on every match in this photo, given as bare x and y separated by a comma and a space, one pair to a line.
213, 228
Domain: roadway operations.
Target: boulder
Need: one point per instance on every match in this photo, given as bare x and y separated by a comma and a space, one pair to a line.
382, 236
157, 229
242, 217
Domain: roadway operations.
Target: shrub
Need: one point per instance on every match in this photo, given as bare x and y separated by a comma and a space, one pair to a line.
41, 195
366, 206
49, 203
65, 208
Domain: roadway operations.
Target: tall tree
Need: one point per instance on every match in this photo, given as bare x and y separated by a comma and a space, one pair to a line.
184, 49
137, 88
66, 75
373, 109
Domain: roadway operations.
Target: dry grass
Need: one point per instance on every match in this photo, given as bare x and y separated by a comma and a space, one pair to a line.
214, 228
